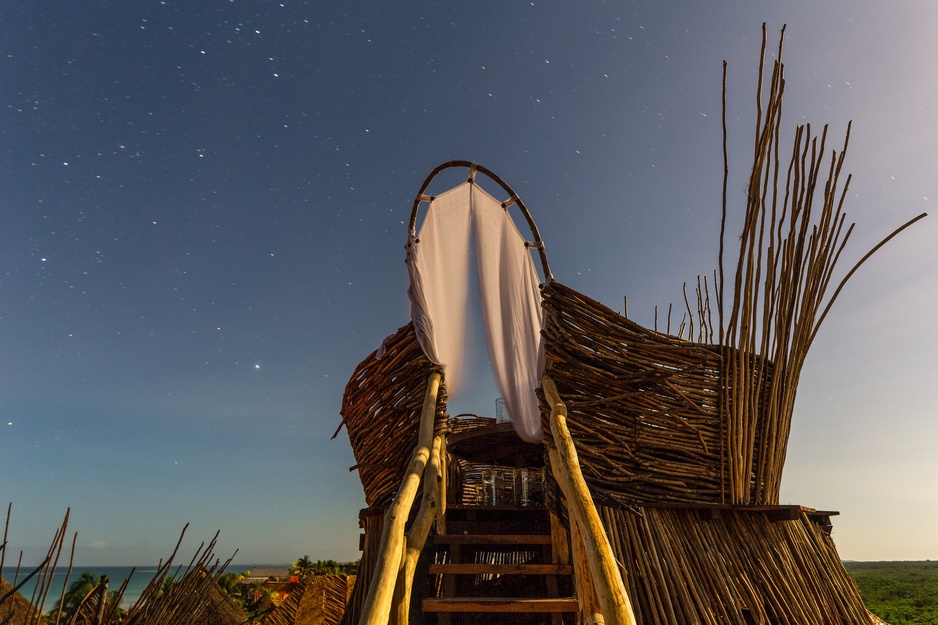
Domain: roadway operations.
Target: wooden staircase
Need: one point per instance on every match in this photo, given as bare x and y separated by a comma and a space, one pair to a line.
497, 564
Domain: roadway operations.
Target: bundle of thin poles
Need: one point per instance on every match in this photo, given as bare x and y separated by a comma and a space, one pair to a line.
189, 601
792, 237
195, 596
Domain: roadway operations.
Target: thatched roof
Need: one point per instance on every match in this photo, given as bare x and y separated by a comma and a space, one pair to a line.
318, 600
22, 610
324, 601
219, 608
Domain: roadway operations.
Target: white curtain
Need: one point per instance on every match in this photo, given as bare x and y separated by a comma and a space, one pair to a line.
438, 263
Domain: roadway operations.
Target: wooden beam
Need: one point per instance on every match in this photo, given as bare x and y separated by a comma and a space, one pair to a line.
501, 569
492, 539
498, 604
590, 609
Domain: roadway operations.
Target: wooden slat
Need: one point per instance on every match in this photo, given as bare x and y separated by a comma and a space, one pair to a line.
498, 604
492, 539
501, 569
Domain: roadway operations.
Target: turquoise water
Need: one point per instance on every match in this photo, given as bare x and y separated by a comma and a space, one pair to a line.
117, 574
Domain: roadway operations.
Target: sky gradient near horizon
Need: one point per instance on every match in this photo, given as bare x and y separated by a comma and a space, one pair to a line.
203, 210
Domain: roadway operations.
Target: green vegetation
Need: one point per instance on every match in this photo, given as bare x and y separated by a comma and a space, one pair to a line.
900, 593
305, 567
83, 589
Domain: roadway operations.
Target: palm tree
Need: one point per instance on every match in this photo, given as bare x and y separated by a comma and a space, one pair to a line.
304, 566
231, 584
78, 590
85, 587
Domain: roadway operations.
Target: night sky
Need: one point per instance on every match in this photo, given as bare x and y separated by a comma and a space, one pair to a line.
203, 210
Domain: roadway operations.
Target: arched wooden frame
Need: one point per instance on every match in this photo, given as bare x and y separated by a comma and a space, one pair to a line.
513, 198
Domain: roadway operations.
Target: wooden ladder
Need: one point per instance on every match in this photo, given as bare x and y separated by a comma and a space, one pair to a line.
500, 560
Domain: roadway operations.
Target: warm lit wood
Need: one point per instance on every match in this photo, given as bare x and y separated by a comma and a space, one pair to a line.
590, 608
501, 569
498, 604
493, 539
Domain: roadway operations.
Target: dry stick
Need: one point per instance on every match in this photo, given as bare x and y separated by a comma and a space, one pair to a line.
739, 430
757, 192
615, 602
789, 286
6, 529
56, 548
770, 165
726, 173
723, 407
857, 266
377, 605
442, 479
155, 583
71, 560
782, 288
709, 310
690, 315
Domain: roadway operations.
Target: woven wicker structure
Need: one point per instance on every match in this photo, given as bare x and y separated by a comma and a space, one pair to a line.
681, 440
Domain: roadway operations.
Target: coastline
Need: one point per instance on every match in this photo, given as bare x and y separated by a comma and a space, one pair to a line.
142, 576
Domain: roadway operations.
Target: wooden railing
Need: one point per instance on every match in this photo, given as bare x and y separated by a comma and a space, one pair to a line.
388, 598
601, 591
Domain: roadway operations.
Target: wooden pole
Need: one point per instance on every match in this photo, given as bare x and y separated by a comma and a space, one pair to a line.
417, 537
102, 599
613, 598
377, 607
590, 610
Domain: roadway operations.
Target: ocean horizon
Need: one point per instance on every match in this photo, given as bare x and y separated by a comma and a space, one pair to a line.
142, 576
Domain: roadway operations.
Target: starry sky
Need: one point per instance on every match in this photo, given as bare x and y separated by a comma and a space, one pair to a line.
203, 210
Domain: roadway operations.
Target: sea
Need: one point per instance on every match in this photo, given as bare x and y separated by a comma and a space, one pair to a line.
142, 576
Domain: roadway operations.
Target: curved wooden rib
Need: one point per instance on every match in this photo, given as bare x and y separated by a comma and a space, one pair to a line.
513, 198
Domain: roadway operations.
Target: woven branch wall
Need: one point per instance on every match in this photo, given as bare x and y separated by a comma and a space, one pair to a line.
381, 411
644, 407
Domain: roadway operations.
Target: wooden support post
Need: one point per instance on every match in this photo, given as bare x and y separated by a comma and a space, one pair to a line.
417, 537
442, 478
559, 554
377, 607
590, 610
613, 598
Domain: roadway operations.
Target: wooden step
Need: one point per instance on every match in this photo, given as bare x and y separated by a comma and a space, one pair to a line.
501, 569
498, 604
492, 539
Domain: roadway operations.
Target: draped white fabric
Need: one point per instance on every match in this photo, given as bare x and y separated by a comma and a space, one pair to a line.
438, 262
